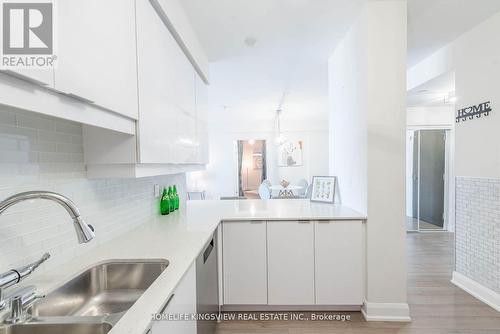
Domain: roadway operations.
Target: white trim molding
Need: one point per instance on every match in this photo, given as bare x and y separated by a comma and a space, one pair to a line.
477, 290
386, 311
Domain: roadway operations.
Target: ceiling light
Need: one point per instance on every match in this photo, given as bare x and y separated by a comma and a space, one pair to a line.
250, 41
451, 98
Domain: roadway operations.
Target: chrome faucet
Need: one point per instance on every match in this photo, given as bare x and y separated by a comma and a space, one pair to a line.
15, 276
84, 233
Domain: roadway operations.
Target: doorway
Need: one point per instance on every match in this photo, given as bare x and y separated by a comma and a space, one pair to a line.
252, 168
427, 173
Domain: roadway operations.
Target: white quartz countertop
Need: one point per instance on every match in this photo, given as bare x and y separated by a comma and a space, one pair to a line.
179, 238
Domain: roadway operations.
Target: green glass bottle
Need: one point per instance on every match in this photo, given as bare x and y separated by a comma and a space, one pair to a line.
171, 199
165, 203
176, 195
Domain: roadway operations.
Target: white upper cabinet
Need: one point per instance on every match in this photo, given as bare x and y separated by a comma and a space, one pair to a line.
202, 120
174, 16
184, 88
170, 136
158, 112
97, 53
167, 101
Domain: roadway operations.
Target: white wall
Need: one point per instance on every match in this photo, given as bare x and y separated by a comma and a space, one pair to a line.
220, 178
367, 124
475, 59
430, 116
45, 153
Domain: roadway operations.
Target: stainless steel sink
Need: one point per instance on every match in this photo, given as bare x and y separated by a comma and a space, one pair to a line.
57, 328
108, 288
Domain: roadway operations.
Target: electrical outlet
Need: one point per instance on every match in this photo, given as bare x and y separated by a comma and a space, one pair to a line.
157, 190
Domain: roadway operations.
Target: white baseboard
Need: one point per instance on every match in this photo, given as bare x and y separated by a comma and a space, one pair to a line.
477, 290
386, 311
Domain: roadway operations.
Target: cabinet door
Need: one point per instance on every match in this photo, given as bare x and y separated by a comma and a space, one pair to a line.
339, 262
182, 301
97, 53
185, 143
184, 88
158, 113
202, 120
201, 99
291, 263
244, 263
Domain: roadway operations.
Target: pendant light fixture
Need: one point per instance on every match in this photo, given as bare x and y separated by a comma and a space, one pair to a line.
280, 139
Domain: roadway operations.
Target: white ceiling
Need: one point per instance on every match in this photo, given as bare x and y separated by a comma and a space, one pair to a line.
435, 23
433, 93
294, 39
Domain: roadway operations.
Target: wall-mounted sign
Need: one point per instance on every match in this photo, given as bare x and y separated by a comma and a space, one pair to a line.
480, 110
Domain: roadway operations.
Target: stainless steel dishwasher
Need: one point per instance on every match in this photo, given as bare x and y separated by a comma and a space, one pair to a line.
207, 294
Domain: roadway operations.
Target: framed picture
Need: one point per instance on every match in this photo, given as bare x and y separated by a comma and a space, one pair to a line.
290, 154
323, 189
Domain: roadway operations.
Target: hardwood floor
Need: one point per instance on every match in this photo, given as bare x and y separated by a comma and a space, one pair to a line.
437, 306
412, 225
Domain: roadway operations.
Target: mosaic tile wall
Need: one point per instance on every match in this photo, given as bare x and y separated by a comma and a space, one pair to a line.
478, 230
44, 153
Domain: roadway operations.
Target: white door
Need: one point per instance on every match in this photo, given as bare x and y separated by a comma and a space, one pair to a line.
97, 53
339, 262
181, 301
290, 262
244, 263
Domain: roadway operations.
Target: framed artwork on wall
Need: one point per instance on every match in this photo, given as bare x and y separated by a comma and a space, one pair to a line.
323, 189
290, 154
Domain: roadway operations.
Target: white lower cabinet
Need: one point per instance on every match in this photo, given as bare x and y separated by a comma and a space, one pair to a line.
290, 262
181, 301
244, 263
339, 262
284, 263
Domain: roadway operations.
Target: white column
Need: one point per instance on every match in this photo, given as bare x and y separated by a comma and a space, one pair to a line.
367, 74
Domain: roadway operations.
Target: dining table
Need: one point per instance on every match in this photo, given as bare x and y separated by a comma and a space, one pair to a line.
285, 191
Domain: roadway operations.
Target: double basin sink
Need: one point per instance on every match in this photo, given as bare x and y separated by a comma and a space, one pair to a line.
93, 301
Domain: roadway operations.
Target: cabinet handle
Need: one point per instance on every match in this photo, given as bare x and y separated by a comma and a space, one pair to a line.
168, 302
304, 221
79, 98
24, 78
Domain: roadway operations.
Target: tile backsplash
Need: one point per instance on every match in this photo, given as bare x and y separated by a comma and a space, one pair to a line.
477, 231
44, 153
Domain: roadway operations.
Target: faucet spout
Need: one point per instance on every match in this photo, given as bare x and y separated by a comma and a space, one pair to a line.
84, 232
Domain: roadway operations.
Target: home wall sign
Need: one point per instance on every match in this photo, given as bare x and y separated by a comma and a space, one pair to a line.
477, 111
